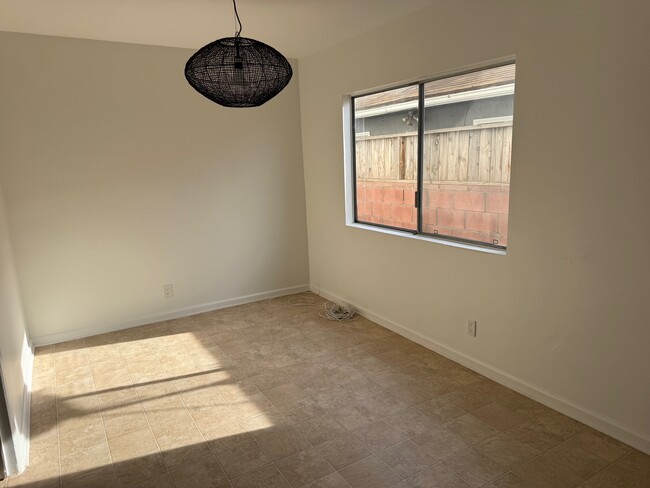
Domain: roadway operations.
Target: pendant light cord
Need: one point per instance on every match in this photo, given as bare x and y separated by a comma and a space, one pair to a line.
234, 4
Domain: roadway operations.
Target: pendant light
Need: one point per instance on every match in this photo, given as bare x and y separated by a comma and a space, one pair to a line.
238, 71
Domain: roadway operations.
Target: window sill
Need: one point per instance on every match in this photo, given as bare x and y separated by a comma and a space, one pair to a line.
419, 237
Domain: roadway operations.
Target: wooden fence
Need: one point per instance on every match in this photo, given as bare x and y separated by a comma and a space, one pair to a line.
461, 154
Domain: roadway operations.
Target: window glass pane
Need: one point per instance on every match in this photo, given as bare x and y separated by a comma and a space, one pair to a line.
386, 148
466, 166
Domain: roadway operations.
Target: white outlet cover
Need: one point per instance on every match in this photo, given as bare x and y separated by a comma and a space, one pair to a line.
471, 328
168, 290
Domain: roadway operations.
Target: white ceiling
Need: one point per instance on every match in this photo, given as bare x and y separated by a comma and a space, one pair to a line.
297, 28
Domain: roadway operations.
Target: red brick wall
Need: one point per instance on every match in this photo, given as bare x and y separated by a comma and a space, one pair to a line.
387, 202
477, 212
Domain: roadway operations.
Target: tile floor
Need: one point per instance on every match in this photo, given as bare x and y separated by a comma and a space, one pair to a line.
271, 395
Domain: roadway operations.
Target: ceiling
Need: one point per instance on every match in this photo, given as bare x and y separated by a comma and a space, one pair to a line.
297, 28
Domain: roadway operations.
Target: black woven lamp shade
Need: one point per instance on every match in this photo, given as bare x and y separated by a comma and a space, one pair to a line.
238, 72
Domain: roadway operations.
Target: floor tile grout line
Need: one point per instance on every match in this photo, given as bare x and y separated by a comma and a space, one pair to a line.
58, 433
274, 462
562, 442
511, 470
148, 422
541, 453
212, 453
349, 431
56, 402
469, 447
565, 441
101, 413
380, 419
388, 416
242, 421
123, 360
608, 466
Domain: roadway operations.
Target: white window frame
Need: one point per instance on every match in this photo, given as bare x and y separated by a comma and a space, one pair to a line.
348, 159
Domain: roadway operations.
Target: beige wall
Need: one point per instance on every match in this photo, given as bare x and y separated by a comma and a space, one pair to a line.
119, 177
15, 351
564, 315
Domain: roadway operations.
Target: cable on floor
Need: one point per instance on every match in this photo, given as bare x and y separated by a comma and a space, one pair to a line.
338, 312
331, 310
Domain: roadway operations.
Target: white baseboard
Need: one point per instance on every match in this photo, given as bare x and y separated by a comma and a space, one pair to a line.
22, 451
69, 335
587, 416
17, 444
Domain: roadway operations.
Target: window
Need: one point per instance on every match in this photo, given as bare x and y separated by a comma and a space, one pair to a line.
433, 158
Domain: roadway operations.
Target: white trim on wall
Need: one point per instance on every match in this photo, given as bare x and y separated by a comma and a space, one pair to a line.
174, 314
567, 407
16, 446
22, 443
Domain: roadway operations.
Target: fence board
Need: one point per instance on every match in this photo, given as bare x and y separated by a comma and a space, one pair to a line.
442, 157
402, 158
474, 153
460, 154
432, 156
507, 154
485, 155
452, 156
463, 155
497, 154
411, 151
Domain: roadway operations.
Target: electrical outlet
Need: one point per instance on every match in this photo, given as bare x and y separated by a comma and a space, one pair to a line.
471, 328
168, 290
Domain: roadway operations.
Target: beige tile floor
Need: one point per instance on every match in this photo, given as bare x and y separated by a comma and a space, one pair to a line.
271, 395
